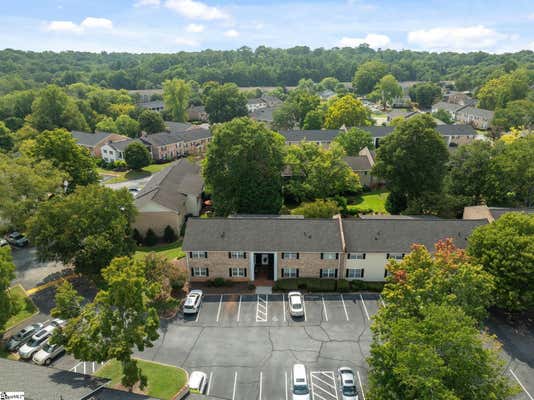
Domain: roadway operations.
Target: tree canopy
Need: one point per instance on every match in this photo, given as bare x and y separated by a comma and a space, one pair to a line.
368, 75
176, 93
225, 102
137, 156
7, 274
354, 140
347, 111
151, 122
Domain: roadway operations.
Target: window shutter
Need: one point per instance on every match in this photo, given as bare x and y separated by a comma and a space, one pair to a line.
245, 271
337, 256
321, 256
348, 256
321, 273
387, 256
207, 272
298, 255
336, 273
205, 254
190, 254
192, 272
298, 272
282, 255
363, 272
230, 272
346, 273
229, 254
364, 256
245, 254
282, 272
402, 255
385, 273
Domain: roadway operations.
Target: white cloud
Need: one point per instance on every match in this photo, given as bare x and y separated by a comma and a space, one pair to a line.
231, 33
96, 23
62, 26
195, 10
194, 28
475, 37
149, 3
186, 42
372, 39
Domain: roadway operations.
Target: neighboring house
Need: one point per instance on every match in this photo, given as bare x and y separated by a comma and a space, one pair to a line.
50, 383
451, 108
477, 117
400, 113
114, 151
145, 95
271, 101
263, 115
175, 144
457, 134
197, 113
153, 105
362, 165
460, 98
273, 248
491, 213
255, 104
178, 126
94, 141
168, 197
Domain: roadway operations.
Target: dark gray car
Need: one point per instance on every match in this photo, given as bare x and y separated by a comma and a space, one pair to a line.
21, 337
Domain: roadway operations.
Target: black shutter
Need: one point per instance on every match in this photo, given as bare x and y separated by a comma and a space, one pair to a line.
321, 273
337, 256
336, 273
229, 254
282, 255
230, 272
346, 273
363, 272
387, 256
298, 273
245, 272
190, 254
321, 256
385, 273
402, 255
192, 272
282, 272
298, 255
245, 254
364, 256
205, 254
207, 272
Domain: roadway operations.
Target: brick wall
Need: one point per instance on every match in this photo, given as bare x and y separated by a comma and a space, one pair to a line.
218, 264
309, 264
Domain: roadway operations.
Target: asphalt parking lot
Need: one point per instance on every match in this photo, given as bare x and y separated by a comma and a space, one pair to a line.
247, 344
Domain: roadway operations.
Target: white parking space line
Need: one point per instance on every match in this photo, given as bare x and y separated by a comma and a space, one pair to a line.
304, 307
219, 310
239, 309
285, 318
235, 384
209, 383
324, 308
262, 308
198, 312
364, 307
285, 374
520, 384
361, 386
345, 308
261, 384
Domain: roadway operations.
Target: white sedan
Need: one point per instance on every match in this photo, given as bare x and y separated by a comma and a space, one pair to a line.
198, 381
192, 302
296, 304
347, 384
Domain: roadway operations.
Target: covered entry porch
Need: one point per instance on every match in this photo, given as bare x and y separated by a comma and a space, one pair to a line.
263, 266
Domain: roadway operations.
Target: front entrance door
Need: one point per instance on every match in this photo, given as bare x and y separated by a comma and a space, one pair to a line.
264, 266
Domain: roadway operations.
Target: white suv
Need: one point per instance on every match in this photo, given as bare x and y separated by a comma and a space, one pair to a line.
301, 391
296, 304
192, 302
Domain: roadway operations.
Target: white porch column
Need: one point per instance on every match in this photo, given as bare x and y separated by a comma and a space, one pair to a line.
275, 266
251, 259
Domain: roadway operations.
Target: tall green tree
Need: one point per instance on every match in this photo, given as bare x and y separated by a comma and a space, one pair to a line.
318, 173
319, 208
367, 76
225, 102
347, 111
516, 114
176, 94
6, 138
313, 120
121, 319
243, 168
151, 121
137, 156
7, 274
388, 89
106, 124
127, 126
53, 109
506, 250
60, 148
425, 94
499, 91
88, 228
68, 303
412, 159
353, 140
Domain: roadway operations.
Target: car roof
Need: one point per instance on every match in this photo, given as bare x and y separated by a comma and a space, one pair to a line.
299, 371
195, 378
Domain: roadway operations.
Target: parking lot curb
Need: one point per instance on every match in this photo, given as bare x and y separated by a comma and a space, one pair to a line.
39, 288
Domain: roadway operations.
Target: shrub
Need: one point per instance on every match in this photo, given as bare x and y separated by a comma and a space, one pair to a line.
120, 165
219, 282
137, 237
357, 285
151, 238
342, 285
169, 235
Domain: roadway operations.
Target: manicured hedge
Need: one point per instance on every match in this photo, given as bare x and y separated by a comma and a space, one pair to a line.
326, 285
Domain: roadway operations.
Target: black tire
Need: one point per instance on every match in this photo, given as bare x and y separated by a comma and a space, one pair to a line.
48, 361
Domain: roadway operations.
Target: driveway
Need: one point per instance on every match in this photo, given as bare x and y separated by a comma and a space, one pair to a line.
31, 272
134, 183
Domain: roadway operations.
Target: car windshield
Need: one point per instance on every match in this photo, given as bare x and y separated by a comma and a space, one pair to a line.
189, 306
49, 348
349, 391
301, 389
297, 306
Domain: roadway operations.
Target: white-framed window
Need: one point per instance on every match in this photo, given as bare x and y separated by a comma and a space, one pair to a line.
237, 272
199, 272
290, 256
238, 255
354, 273
329, 273
395, 256
198, 254
356, 256
329, 256
104, 151
290, 272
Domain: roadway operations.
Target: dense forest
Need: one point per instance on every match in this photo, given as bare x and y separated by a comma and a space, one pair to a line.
263, 66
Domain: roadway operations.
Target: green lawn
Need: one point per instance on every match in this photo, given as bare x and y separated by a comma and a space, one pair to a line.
370, 201
23, 307
171, 250
164, 381
131, 175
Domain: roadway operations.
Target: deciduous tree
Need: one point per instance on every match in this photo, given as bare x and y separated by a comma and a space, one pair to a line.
367, 76
425, 94
319, 208
499, 91
388, 89
7, 274
347, 111
225, 102
176, 93
127, 126
137, 156
151, 122
353, 140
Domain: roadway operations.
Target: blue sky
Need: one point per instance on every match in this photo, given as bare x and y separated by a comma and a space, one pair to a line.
174, 25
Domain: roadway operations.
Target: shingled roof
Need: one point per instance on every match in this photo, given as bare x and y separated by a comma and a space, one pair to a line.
89, 139
358, 163
170, 186
262, 234
398, 235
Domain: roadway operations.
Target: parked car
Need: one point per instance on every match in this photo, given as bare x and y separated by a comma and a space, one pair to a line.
192, 302
47, 353
347, 384
37, 341
58, 322
301, 391
17, 239
296, 304
198, 381
3, 242
22, 336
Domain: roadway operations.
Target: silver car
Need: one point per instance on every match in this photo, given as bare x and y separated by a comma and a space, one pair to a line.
47, 353
37, 341
347, 384
22, 336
